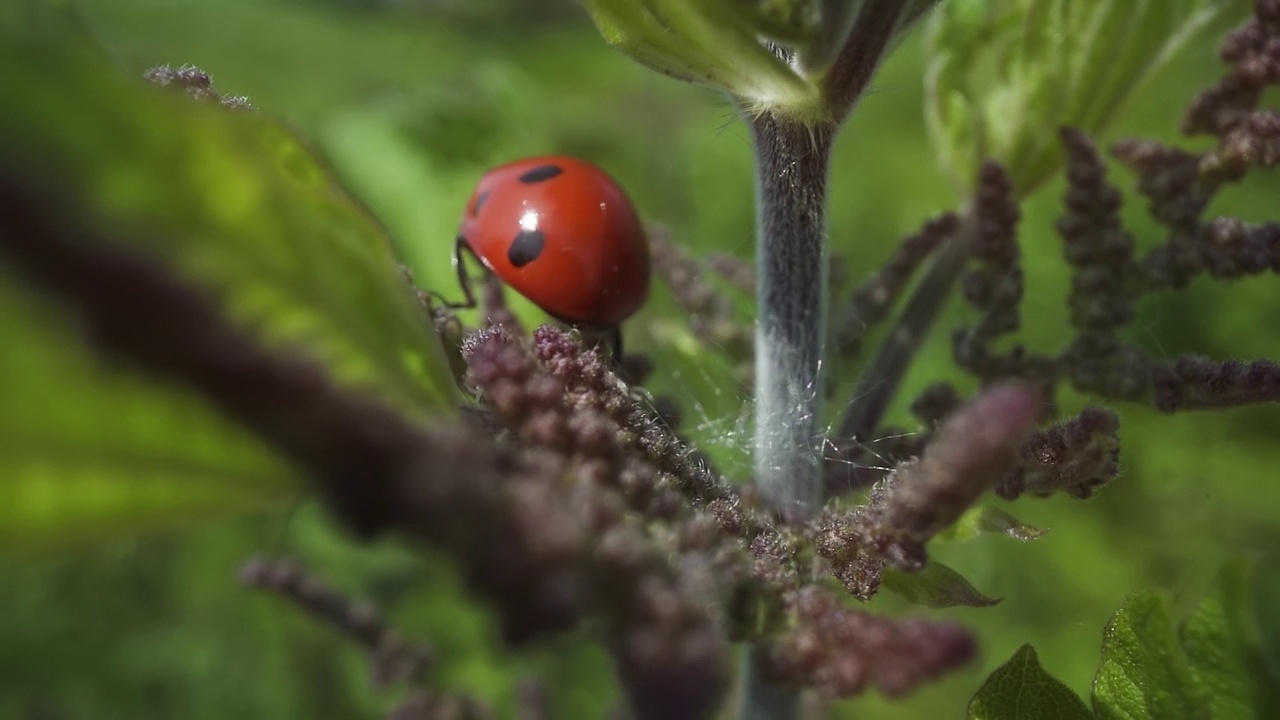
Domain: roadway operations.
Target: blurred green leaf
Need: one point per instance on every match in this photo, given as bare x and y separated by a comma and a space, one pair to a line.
935, 586
794, 21
237, 202
985, 520
1004, 75
417, 162
1263, 596
238, 205
88, 450
1020, 688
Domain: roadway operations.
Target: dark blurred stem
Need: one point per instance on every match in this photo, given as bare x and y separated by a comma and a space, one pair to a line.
792, 162
880, 380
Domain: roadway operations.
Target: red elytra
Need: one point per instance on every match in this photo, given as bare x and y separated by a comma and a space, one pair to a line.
561, 232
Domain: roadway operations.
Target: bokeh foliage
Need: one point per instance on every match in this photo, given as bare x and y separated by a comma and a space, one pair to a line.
411, 101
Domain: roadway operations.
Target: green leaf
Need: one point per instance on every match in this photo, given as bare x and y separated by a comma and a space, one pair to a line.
89, 451
1219, 640
936, 586
728, 44
986, 520
710, 42
1020, 688
1263, 588
1144, 672
1208, 666
791, 22
236, 202
1001, 72
383, 155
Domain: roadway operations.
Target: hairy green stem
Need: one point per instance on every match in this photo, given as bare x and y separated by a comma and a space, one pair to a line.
792, 163
793, 158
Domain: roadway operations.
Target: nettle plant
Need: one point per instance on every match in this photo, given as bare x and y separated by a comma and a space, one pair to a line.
269, 313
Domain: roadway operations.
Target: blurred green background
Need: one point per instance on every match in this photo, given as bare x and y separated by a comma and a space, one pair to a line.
411, 101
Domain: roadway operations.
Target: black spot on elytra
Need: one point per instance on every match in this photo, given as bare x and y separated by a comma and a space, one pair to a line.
525, 248
475, 209
540, 173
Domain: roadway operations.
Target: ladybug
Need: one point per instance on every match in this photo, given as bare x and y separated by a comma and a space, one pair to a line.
561, 232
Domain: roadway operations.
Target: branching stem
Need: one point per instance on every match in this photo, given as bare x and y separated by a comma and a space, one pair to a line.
880, 380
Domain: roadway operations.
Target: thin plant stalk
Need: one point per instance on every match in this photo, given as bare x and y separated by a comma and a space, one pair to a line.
879, 381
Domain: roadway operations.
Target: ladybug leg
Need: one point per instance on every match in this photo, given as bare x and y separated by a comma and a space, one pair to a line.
631, 369
461, 269
600, 338
615, 339
469, 298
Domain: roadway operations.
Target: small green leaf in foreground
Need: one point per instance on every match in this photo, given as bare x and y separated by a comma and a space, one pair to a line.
1144, 671
1218, 639
1204, 668
985, 520
1020, 689
935, 586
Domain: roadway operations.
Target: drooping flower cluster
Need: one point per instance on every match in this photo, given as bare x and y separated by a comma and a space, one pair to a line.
557, 396
840, 651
